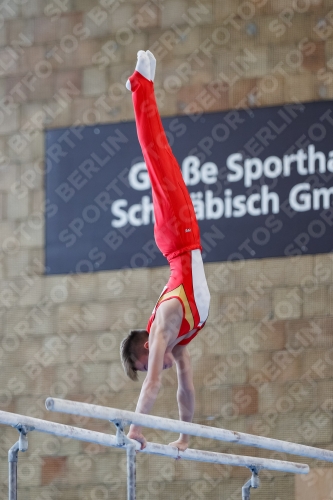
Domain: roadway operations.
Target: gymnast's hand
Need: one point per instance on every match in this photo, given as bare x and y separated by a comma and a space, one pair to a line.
135, 433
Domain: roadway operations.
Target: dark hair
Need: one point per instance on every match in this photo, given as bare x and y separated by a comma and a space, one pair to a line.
130, 348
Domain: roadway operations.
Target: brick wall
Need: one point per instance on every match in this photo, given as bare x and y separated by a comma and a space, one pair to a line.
264, 363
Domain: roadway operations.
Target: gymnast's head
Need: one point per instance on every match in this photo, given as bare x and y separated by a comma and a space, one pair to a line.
134, 353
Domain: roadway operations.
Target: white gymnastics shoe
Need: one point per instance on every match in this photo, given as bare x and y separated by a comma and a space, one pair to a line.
152, 61
142, 67
145, 65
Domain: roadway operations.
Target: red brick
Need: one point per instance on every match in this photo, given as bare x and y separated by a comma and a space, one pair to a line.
271, 335
245, 399
318, 484
241, 90
315, 61
53, 468
73, 76
303, 333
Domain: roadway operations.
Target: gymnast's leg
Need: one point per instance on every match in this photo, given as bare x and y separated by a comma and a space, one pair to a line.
176, 228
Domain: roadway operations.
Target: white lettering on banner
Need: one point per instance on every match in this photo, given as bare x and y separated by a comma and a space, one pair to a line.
138, 177
272, 167
301, 200
303, 203
252, 169
193, 174
206, 205
209, 173
137, 215
209, 206
235, 167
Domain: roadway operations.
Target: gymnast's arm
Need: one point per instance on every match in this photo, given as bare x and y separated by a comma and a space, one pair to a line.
164, 330
185, 393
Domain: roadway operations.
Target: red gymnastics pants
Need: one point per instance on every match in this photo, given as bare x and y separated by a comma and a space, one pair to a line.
176, 229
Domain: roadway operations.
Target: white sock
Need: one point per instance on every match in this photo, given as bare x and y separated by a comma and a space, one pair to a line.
143, 64
152, 61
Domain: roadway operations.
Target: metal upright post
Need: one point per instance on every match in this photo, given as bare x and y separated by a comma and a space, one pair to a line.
12, 471
131, 471
122, 440
20, 445
254, 482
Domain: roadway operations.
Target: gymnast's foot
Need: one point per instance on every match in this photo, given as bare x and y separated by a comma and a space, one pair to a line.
152, 61
146, 66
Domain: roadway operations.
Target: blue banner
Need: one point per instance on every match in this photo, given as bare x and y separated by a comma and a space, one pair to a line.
261, 181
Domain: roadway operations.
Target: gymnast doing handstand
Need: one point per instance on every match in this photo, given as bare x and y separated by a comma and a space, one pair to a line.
182, 308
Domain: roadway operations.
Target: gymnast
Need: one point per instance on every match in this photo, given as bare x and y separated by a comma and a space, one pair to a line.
182, 308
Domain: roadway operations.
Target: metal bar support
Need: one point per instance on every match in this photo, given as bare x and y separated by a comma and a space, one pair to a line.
12, 471
20, 445
124, 441
253, 482
131, 471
